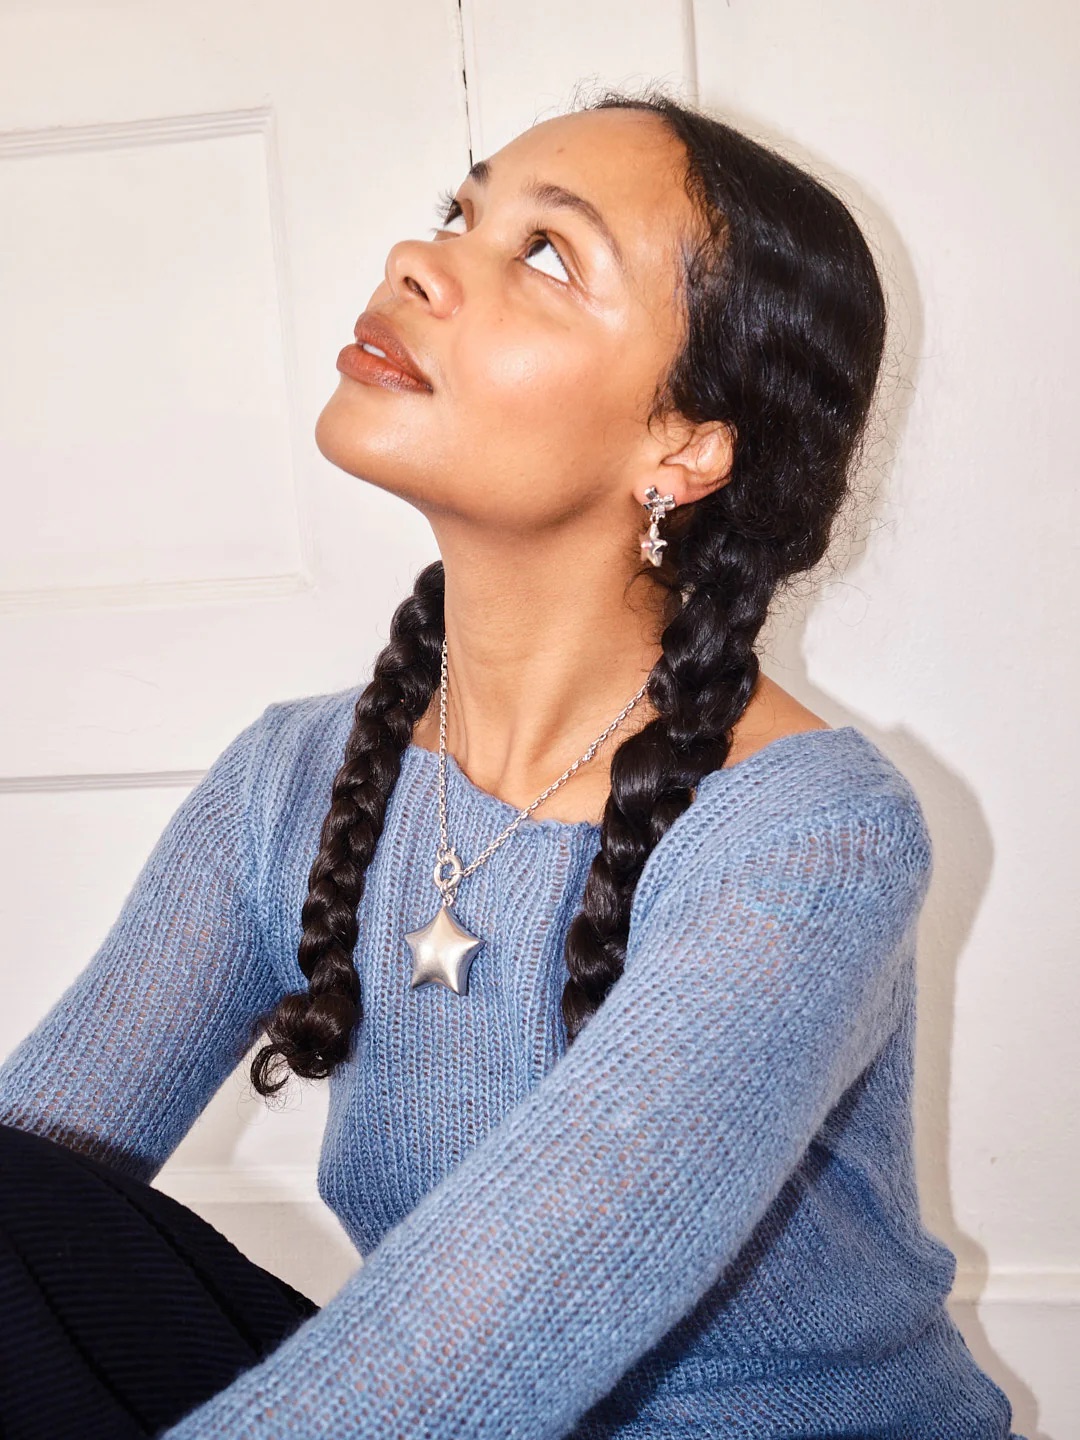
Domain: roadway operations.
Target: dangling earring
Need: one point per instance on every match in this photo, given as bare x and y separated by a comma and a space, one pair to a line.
657, 505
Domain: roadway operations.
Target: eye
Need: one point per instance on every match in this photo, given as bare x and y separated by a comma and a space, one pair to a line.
543, 236
449, 212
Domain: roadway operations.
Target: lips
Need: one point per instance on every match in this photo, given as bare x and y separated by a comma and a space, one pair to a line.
374, 329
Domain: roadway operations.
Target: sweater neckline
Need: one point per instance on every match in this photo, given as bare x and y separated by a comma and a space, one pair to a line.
503, 812
500, 809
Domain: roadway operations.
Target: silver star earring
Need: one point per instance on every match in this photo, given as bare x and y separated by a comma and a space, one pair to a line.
657, 505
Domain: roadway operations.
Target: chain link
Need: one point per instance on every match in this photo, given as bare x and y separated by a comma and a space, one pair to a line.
446, 854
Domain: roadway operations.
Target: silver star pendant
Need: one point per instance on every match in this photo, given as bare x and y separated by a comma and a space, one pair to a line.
652, 548
442, 952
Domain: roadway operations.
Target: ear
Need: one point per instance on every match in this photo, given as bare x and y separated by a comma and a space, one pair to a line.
693, 460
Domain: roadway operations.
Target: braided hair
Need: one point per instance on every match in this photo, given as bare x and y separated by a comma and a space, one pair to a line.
784, 339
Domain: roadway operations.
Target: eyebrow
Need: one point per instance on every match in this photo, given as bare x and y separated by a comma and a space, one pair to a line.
558, 198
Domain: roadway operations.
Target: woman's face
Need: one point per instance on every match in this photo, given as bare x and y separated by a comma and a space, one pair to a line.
543, 351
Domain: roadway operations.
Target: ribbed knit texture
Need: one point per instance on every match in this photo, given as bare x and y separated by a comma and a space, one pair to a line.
700, 1220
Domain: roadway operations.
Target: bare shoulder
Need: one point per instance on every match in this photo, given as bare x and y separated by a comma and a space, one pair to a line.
771, 714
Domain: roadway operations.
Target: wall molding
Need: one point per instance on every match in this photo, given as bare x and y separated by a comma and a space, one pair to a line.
259, 120
123, 134
105, 780
170, 593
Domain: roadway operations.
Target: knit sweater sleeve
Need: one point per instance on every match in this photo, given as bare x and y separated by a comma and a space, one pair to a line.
758, 984
124, 1061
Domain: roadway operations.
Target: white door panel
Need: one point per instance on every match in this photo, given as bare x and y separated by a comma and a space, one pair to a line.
195, 204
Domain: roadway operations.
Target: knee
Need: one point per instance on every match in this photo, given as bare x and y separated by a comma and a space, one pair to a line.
21, 1148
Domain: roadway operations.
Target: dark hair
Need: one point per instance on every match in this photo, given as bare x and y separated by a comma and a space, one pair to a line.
785, 331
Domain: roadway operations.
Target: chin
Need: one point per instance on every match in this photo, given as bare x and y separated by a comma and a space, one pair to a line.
336, 431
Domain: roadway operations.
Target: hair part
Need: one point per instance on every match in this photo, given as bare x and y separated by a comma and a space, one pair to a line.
785, 322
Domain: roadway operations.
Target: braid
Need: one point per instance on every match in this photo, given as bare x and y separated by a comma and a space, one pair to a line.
794, 381
310, 1032
785, 336
699, 687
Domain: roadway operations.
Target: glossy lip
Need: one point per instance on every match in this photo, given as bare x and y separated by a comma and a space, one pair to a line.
377, 330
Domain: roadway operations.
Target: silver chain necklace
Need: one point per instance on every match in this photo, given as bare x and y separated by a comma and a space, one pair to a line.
443, 950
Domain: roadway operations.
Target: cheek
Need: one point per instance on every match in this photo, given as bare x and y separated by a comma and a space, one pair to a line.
548, 439
554, 392
523, 373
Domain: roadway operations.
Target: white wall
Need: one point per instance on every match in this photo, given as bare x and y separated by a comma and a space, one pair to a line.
951, 639
948, 638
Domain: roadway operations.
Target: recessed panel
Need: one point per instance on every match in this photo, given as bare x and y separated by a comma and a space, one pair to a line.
144, 430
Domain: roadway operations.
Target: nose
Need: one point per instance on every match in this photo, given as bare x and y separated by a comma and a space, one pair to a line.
418, 267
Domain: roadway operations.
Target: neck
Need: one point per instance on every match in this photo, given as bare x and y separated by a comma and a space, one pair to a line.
545, 647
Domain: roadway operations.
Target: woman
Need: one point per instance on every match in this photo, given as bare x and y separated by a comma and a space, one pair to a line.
619, 1050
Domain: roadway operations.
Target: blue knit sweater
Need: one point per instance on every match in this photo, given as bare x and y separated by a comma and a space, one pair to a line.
700, 1220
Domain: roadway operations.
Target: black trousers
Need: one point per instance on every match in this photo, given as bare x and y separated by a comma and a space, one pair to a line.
120, 1308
